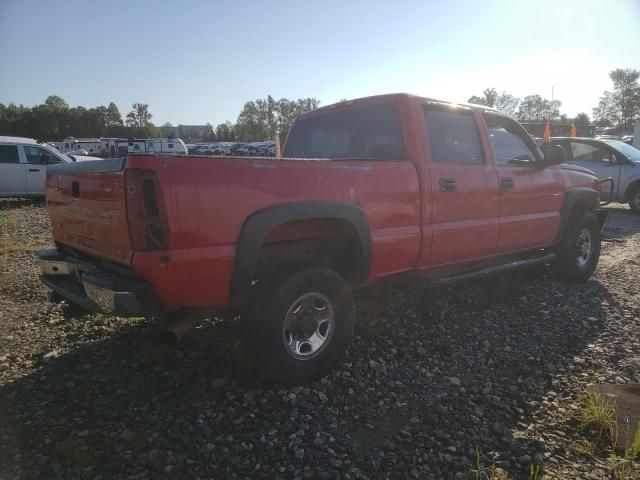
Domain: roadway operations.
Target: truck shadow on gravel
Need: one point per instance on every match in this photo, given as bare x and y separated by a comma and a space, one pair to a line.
431, 375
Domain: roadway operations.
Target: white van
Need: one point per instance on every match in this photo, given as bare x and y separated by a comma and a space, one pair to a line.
23, 164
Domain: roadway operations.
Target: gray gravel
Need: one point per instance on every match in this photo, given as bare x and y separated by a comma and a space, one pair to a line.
432, 375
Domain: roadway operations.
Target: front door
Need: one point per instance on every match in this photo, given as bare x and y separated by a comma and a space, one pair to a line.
598, 159
464, 185
12, 171
530, 197
36, 171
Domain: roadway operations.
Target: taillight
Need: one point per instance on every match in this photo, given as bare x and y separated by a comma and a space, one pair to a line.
146, 211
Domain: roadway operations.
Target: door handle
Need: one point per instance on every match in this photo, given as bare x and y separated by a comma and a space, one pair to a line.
34, 169
506, 183
448, 185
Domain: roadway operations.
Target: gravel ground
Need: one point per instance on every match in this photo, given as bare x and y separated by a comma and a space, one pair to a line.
433, 375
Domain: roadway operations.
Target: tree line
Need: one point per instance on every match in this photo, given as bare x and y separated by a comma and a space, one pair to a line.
260, 119
618, 107
54, 120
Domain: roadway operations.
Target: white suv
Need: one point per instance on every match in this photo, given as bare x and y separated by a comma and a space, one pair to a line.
23, 164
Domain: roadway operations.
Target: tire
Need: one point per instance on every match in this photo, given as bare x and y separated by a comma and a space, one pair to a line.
634, 199
301, 327
580, 250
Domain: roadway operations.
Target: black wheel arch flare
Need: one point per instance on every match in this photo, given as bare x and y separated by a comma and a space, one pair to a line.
257, 226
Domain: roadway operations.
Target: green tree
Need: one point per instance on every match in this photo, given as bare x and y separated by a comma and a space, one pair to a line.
535, 107
139, 115
56, 102
606, 113
260, 119
114, 119
620, 106
488, 99
507, 103
209, 135
582, 119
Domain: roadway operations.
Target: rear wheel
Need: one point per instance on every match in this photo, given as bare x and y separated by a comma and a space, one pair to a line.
580, 250
301, 327
634, 199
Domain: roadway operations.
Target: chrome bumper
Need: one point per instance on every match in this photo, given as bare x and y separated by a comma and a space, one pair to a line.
95, 289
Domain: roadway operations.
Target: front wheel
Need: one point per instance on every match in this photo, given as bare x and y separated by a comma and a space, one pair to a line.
301, 327
580, 250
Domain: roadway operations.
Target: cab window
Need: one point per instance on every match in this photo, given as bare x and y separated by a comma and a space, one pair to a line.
509, 140
33, 155
453, 136
9, 154
371, 132
583, 152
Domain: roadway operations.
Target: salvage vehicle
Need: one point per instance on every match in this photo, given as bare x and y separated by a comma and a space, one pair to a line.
607, 159
366, 189
23, 163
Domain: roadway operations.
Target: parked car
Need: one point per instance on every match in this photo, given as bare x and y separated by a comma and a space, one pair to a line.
370, 188
23, 165
607, 159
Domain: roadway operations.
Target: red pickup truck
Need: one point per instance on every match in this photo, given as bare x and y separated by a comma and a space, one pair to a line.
366, 189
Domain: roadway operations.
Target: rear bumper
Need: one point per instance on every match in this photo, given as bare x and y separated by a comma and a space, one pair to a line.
94, 289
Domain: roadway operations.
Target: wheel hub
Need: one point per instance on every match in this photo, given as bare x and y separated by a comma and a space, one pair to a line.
308, 325
584, 247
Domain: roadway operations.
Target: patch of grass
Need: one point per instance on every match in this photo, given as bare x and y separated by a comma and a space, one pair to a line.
597, 413
487, 473
534, 472
622, 467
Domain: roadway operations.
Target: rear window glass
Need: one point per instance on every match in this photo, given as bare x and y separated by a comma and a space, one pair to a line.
9, 154
372, 132
453, 137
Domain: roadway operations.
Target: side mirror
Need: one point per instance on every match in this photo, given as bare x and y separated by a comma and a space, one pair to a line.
45, 159
554, 155
613, 160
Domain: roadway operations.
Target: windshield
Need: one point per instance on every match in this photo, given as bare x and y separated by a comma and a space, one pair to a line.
632, 153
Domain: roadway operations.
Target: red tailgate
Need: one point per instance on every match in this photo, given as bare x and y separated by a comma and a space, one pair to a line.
86, 202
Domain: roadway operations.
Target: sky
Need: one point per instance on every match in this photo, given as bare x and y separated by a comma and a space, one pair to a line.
198, 61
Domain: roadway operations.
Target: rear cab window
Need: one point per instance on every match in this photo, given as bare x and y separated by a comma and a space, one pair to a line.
453, 135
372, 132
9, 154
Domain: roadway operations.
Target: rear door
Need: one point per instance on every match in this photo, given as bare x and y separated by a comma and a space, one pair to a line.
12, 171
530, 197
464, 184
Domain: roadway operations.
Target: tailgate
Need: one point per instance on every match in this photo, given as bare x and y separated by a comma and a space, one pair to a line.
87, 208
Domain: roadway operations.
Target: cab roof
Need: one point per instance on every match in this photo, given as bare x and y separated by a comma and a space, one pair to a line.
394, 97
4, 139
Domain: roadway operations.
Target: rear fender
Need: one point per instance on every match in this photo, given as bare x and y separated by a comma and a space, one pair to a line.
257, 227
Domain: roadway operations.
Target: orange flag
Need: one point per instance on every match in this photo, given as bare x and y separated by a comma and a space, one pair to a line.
547, 133
573, 131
